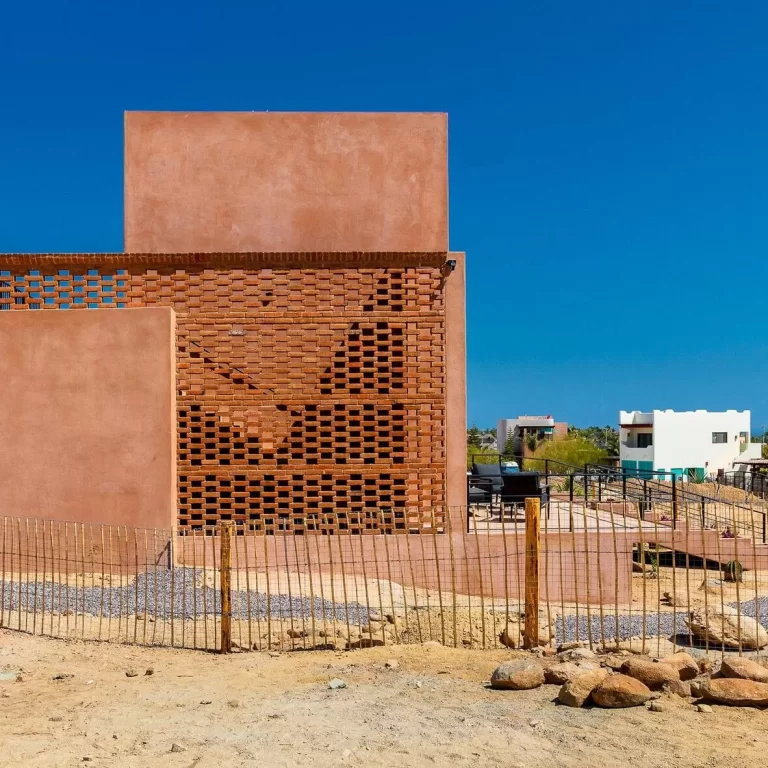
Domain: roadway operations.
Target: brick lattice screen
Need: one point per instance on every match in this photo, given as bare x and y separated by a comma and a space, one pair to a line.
311, 393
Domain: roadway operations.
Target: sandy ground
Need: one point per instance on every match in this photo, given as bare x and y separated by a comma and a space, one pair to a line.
262, 710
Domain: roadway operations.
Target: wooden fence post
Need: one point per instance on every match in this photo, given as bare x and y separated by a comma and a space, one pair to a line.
532, 555
225, 580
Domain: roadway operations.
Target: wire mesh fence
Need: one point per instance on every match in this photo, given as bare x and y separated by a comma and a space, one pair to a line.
609, 573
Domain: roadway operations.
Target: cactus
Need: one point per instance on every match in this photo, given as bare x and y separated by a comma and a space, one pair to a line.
733, 570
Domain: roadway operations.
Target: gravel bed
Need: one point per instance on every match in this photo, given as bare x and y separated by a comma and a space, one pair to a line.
756, 609
189, 600
664, 624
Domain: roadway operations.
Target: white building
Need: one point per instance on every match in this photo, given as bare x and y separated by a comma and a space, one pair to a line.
685, 443
543, 427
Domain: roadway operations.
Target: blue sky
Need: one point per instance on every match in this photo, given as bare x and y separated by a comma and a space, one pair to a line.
608, 166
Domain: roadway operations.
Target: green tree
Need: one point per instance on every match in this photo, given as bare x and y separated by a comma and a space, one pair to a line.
473, 436
606, 438
509, 446
574, 450
478, 455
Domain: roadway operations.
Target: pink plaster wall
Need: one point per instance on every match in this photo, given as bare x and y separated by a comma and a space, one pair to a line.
87, 423
272, 181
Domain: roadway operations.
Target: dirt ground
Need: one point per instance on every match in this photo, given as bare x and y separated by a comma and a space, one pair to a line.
277, 710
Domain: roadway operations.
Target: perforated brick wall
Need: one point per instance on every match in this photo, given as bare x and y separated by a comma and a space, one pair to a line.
311, 387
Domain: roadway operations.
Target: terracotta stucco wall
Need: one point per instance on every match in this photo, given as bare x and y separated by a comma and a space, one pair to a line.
311, 391
87, 423
256, 181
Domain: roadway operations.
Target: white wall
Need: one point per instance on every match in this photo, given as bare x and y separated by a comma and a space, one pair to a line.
684, 439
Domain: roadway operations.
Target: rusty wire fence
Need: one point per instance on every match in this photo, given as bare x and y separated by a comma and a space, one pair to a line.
608, 573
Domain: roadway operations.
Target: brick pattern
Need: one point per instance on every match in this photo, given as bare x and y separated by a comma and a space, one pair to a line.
308, 399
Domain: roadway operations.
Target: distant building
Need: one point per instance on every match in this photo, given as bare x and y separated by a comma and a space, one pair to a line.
543, 427
488, 440
685, 443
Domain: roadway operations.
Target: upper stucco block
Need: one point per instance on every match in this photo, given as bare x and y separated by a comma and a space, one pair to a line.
264, 181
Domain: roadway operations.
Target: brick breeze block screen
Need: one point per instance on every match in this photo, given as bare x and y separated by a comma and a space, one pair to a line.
310, 398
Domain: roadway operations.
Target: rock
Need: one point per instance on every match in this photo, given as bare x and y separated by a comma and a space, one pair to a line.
392, 664
13, 676
205, 701
149, 671
699, 686
619, 691
365, 642
651, 673
678, 599
131, 673
577, 654
176, 747
705, 708
518, 675
705, 665
711, 586
548, 651
513, 634
432, 644
613, 662
656, 706
737, 692
678, 688
653, 644
745, 669
560, 674
296, 633
641, 567
375, 616
233, 703
418, 684
336, 684
684, 663
87, 758
55, 719
570, 646
576, 691
61, 676
723, 626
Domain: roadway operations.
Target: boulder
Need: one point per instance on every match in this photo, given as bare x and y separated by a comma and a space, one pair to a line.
684, 663
577, 654
653, 644
678, 688
365, 642
722, 626
676, 598
519, 675
745, 669
699, 686
613, 662
651, 673
512, 636
737, 692
570, 646
560, 674
576, 691
619, 691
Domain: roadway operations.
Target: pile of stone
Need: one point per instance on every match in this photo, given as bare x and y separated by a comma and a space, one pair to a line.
621, 679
